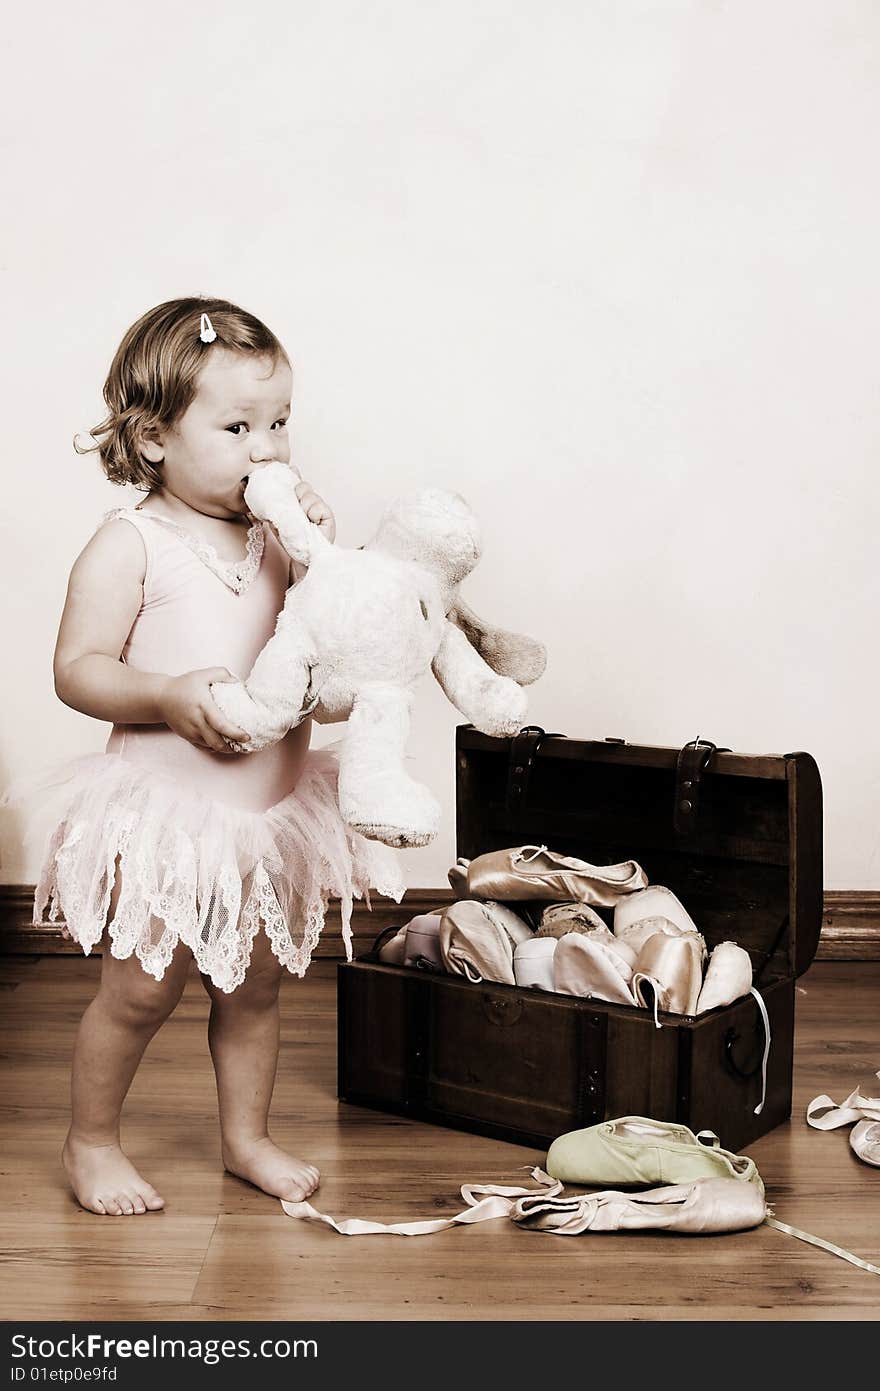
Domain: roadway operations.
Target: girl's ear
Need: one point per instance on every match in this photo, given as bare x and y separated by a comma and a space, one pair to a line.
152, 448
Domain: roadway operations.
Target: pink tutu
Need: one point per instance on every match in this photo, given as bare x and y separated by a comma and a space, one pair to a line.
198, 871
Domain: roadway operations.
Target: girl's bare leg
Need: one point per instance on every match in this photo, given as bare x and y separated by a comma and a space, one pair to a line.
113, 1033
243, 1036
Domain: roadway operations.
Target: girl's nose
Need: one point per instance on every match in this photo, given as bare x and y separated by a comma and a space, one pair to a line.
262, 449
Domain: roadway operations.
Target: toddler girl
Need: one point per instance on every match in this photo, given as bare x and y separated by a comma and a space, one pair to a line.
168, 846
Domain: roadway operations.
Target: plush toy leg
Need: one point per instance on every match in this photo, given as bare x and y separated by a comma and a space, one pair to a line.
271, 700
377, 797
494, 704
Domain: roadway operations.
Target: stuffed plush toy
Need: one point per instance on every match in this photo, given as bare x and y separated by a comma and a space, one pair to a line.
356, 633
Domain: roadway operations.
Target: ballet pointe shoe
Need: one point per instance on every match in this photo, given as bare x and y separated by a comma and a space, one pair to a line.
653, 902
582, 921
457, 877
391, 950
477, 940
604, 937
728, 977
864, 1141
533, 963
862, 1107
529, 872
638, 1150
635, 936
589, 968
422, 945
673, 968
559, 918
700, 1208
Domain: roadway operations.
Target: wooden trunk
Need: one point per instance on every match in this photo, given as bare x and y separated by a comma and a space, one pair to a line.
745, 858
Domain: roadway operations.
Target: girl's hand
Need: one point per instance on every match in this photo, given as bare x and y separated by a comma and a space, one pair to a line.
316, 509
189, 709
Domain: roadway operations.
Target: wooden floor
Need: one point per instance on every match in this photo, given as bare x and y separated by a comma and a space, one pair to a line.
223, 1251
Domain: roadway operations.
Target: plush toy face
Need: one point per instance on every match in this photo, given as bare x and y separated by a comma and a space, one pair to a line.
436, 529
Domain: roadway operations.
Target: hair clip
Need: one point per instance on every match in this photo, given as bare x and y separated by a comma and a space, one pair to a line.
207, 332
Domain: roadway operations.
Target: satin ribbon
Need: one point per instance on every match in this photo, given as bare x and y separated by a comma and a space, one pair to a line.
496, 1201
766, 1018
521, 858
825, 1245
488, 1201
825, 1114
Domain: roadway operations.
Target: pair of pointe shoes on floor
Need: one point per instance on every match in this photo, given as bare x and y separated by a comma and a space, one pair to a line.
862, 1107
706, 1207
703, 1189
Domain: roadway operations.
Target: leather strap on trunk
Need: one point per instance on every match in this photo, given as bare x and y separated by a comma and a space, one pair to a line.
690, 766
523, 748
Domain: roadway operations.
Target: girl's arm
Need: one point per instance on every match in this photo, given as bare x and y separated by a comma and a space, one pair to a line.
104, 596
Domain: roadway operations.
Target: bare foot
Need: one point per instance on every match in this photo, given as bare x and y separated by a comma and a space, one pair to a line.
106, 1182
266, 1166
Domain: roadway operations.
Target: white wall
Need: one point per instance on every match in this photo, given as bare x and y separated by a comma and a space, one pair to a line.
607, 268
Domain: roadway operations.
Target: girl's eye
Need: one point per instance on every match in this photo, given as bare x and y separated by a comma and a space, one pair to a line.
282, 423
237, 427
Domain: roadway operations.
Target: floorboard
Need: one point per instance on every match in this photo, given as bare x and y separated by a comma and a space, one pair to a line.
222, 1251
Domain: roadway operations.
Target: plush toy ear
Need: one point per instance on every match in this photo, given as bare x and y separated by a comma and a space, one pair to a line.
510, 654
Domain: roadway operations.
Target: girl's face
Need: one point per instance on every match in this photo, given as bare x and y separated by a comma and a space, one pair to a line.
236, 422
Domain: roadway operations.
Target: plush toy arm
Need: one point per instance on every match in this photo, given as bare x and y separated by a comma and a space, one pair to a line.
276, 696
494, 704
510, 654
271, 496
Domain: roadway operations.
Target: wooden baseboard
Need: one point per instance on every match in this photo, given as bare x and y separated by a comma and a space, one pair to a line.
851, 926
20, 937
850, 930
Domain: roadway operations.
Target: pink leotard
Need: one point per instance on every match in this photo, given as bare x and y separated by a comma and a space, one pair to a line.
199, 611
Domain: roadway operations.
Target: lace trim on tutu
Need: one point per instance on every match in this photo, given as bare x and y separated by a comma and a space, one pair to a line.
197, 871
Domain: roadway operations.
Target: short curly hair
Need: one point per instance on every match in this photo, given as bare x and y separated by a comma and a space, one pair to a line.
152, 378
